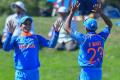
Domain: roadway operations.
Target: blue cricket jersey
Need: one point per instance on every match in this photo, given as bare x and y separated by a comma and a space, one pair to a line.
91, 47
26, 55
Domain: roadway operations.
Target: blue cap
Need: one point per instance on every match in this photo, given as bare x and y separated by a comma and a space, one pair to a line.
23, 19
90, 24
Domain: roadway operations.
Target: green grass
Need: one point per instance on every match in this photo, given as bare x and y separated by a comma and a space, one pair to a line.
62, 65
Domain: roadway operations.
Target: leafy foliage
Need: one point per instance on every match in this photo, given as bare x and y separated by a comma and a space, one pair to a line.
33, 6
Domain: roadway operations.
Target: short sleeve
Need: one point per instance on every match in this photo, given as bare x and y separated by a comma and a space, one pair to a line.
105, 33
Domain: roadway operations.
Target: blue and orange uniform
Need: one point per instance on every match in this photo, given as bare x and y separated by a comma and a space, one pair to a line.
91, 51
26, 55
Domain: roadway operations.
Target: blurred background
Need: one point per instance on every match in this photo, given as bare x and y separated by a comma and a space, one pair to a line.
62, 65
45, 7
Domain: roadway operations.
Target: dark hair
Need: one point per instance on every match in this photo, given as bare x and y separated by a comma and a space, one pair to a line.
27, 20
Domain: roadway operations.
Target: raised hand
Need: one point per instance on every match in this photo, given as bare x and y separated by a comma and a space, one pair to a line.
75, 7
97, 8
57, 26
11, 26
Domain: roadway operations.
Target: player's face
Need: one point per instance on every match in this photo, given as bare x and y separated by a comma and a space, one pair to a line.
26, 26
18, 10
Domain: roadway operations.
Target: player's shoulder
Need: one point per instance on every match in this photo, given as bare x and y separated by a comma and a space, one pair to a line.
92, 35
100, 37
106, 29
37, 35
77, 33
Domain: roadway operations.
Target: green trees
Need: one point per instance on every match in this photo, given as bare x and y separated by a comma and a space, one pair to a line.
33, 6
5, 6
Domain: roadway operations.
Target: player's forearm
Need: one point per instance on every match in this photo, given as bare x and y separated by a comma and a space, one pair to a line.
68, 22
6, 43
53, 40
106, 19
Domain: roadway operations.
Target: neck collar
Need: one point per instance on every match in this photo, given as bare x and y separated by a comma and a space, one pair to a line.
26, 34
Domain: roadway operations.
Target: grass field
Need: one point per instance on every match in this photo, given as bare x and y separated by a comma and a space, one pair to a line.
62, 65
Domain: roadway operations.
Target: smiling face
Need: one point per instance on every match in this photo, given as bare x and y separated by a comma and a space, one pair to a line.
26, 26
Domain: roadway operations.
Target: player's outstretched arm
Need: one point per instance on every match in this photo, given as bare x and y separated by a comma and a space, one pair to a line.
69, 18
97, 9
53, 41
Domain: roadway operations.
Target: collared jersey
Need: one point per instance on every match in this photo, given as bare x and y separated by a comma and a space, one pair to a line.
91, 47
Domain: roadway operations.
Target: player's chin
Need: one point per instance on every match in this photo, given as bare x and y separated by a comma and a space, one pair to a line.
26, 31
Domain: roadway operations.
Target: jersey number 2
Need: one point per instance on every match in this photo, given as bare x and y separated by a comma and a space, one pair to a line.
99, 50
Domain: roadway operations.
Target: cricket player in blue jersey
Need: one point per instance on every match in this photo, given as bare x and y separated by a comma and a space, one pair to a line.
26, 47
91, 44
